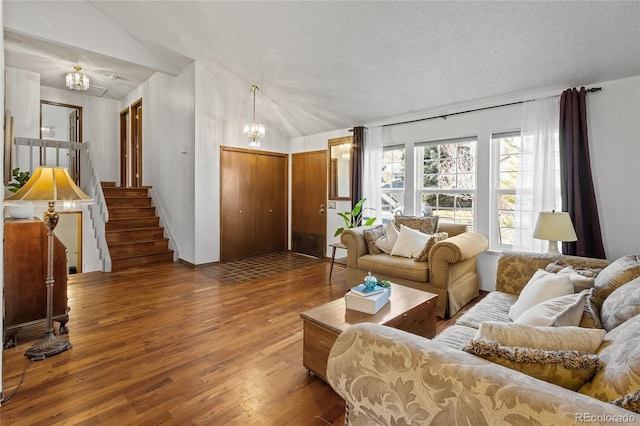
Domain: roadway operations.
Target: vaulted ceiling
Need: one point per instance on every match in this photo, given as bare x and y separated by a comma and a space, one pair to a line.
331, 65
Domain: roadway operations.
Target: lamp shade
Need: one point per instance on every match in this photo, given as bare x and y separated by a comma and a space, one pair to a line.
554, 226
49, 185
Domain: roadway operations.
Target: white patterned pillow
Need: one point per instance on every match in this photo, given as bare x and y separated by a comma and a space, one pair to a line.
409, 243
621, 305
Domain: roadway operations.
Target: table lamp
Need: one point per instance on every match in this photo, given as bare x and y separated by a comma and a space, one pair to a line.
51, 186
554, 226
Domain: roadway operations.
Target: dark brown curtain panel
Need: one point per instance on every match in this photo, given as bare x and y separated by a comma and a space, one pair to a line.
357, 166
578, 194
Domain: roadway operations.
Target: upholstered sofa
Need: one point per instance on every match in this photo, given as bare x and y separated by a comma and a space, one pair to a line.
450, 272
390, 377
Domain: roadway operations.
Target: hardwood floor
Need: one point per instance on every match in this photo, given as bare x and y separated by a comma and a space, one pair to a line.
171, 344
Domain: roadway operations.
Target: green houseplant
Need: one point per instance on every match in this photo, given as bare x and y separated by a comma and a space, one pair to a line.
354, 218
19, 179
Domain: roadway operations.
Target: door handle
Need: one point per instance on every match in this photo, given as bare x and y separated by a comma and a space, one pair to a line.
321, 208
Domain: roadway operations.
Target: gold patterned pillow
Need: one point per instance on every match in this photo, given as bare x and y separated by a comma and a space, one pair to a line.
424, 254
617, 273
371, 235
621, 372
629, 402
621, 305
426, 225
569, 369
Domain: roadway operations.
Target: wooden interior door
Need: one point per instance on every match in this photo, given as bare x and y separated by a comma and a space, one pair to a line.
131, 145
237, 204
271, 202
308, 203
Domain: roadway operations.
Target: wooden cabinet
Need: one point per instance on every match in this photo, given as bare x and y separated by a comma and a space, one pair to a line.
253, 202
25, 272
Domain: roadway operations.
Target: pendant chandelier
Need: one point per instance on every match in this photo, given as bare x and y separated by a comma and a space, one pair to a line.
254, 131
76, 80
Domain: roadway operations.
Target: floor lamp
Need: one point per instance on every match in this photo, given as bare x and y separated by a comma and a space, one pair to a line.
51, 186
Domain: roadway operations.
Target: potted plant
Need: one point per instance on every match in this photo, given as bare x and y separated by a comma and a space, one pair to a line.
19, 180
354, 218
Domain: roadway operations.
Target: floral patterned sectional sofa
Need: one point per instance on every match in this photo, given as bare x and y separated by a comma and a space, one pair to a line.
522, 355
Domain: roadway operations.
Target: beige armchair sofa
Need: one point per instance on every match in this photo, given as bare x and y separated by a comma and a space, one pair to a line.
390, 377
451, 271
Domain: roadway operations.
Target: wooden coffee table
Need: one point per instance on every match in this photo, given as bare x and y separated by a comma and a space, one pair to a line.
408, 309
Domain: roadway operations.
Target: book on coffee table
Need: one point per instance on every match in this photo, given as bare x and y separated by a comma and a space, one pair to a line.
363, 290
370, 304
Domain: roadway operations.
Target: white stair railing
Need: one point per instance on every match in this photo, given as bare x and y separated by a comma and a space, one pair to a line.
98, 210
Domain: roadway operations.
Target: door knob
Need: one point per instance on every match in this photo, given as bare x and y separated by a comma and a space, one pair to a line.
321, 208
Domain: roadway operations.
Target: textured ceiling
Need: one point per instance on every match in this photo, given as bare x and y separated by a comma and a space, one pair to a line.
330, 65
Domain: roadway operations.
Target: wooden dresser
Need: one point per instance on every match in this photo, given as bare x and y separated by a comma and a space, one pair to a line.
25, 272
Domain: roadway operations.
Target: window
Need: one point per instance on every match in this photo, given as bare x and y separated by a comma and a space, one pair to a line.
393, 175
508, 147
447, 179
514, 189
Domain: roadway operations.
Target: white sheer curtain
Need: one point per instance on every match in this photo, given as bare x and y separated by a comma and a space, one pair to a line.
372, 172
539, 178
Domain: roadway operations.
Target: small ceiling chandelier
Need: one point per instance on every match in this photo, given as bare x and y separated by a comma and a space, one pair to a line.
76, 80
254, 131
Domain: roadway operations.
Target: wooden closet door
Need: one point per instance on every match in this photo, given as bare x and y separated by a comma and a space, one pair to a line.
237, 204
271, 203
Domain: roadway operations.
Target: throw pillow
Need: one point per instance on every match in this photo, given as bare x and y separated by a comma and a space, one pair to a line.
621, 305
621, 372
580, 281
629, 402
371, 235
386, 242
409, 243
427, 224
617, 273
569, 369
578, 339
560, 311
560, 265
542, 286
591, 313
433, 239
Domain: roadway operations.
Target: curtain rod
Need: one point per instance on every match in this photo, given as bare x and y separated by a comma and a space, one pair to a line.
444, 116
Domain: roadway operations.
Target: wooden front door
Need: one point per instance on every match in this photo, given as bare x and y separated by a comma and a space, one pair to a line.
131, 145
308, 203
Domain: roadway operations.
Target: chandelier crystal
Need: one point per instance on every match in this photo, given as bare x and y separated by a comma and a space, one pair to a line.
254, 131
76, 80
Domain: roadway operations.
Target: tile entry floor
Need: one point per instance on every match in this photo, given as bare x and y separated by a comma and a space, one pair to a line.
252, 268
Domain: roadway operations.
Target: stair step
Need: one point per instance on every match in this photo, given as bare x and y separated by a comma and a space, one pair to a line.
108, 184
125, 192
131, 212
126, 248
133, 234
126, 262
128, 201
131, 223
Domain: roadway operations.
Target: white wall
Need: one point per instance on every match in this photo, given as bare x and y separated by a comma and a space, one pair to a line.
613, 117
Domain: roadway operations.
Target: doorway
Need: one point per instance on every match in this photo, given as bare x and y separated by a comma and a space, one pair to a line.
61, 122
69, 231
308, 203
131, 145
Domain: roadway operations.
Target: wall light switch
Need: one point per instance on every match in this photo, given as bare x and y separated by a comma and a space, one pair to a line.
183, 149
331, 204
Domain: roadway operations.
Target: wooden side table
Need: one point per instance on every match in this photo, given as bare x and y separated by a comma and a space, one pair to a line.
408, 309
335, 246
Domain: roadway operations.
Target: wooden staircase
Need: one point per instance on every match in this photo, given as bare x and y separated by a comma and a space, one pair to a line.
134, 235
